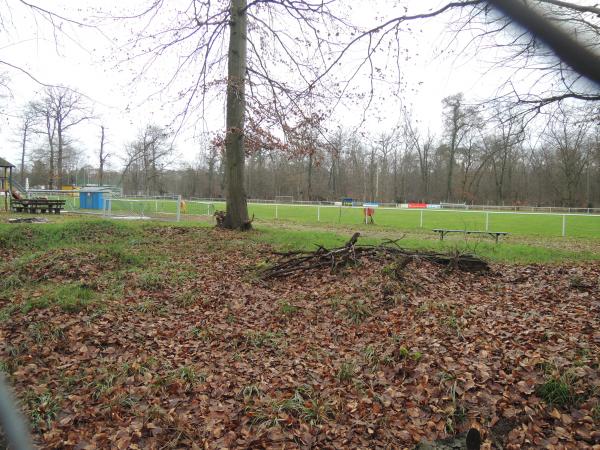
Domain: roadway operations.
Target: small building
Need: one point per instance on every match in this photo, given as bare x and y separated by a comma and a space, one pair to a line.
93, 197
6, 170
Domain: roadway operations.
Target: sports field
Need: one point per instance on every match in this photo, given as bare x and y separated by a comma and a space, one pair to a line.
524, 224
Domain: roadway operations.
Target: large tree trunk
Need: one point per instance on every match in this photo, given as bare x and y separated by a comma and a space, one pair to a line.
237, 208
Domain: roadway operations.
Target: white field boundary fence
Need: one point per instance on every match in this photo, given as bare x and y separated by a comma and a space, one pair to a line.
514, 222
548, 221
166, 207
170, 207
485, 220
442, 206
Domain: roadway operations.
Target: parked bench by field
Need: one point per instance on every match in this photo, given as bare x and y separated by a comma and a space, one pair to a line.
38, 205
494, 234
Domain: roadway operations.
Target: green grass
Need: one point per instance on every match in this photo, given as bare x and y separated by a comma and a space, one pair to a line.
70, 297
64, 231
520, 224
516, 223
559, 391
304, 404
346, 371
128, 244
287, 239
42, 407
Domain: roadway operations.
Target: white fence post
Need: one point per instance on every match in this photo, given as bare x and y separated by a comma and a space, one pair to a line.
276, 211
487, 221
564, 225
421, 222
178, 208
318, 213
107, 206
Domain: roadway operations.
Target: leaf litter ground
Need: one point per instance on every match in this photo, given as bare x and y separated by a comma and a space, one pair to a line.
187, 348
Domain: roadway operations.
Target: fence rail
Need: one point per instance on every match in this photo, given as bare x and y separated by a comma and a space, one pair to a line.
539, 221
443, 206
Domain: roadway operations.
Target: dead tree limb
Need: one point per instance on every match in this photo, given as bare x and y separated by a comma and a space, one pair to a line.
350, 253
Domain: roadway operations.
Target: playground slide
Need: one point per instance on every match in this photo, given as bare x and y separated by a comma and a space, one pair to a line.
17, 190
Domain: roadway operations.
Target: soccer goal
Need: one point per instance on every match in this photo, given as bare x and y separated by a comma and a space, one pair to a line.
198, 208
284, 199
128, 207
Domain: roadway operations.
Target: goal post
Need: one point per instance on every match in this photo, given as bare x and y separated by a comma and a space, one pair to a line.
284, 199
199, 208
127, 207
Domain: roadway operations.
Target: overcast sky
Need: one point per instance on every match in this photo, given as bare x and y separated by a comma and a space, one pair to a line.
88, 60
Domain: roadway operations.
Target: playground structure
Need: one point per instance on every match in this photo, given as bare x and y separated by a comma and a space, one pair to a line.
6, 170
13, 200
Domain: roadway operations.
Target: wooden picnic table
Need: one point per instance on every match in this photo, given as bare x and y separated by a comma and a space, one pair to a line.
38, 205
494, 234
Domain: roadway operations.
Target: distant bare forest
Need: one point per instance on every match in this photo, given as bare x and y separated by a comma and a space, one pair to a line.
480, 158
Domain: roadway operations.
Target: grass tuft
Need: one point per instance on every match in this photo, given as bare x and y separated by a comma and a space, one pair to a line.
559, 391
43, 409
346, 372
288, 309
357, 311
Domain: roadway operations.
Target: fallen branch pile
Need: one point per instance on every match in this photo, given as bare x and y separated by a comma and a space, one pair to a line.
28, 220
336, 258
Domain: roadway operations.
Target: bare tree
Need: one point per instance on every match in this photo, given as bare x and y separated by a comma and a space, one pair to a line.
459, 121
145, 160
44, 116
569, 145
423, 146
102, 156
26, 129
473, 160
60, 111
4, 87
67, 110
502, 143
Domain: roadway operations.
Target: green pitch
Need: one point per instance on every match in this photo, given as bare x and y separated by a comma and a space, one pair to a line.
524, 224
406, 219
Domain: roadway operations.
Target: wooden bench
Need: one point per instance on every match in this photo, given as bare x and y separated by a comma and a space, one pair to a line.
38, 205
494, 234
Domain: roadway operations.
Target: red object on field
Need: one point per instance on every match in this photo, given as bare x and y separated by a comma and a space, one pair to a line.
417, 205
369, 212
